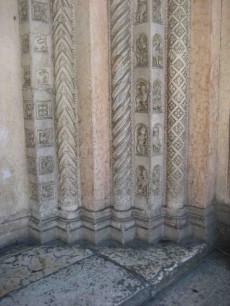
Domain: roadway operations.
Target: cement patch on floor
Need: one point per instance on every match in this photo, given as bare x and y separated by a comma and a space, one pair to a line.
83, 274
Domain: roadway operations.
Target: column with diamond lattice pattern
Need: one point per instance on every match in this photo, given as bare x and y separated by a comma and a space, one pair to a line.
178, 87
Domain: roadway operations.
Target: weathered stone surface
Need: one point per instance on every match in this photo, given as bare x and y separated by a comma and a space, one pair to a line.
154, 262
31, 265
93, 281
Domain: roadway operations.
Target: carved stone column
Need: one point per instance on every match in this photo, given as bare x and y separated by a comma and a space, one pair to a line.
177, 119
66, 104
121, 123
37, 72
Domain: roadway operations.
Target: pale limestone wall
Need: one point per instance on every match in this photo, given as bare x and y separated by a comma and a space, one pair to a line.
203, 110
13, 179
223, 183
223, 171
93, 102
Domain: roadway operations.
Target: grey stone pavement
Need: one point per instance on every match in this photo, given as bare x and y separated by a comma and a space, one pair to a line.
110, 274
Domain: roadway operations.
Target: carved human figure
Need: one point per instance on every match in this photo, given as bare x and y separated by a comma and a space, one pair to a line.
141, 181
157, 51
156, 140
156, 180
141, 140
141, 12
142, 96
142, 50
157, 96
157, 7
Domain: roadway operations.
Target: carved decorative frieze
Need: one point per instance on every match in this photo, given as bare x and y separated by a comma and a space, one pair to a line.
40, 43
28, 110
142, 96
156, 180
157, 139
47, 191
157, 11
30, 139
157, 97
66, 116
120, 36
141, 50
157, 51
25, 43
141, 136
141, 181
26, 77
40, 11
45, 137
178, 83
46, 165
44, 110
23, 10
141, 15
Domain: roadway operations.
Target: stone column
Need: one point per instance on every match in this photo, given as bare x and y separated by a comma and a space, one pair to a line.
177, 119
203, 115
37, 75
121, 122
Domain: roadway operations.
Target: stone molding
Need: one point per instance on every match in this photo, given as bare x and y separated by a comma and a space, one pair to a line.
178, 99
121, 124
37, 81
66, 104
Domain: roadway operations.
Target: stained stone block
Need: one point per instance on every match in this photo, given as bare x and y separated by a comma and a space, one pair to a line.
93, 281
31, 265
153, 263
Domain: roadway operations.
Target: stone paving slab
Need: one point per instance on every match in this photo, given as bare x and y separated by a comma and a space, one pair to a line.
206, 285
92, 281
31, 265
154, 262
85, 274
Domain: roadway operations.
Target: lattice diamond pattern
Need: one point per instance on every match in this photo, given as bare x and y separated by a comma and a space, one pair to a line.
177, 95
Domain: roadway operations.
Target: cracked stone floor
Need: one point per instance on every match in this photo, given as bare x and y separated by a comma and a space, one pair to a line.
109, 274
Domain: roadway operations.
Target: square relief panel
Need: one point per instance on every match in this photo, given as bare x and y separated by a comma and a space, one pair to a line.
40, 11
47, 191
46, 165
40, 43
25, 43
31, 165
44, 110
28, 110
26, 76
23, 10
45, 138
34, 191
42, 77
30, 140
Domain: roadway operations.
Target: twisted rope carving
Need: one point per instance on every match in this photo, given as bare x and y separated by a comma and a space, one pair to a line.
65, 103
121, 101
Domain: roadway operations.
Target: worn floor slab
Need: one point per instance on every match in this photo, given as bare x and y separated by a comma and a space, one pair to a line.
32, 264
206, 285
84, 274
93, 281
154, 263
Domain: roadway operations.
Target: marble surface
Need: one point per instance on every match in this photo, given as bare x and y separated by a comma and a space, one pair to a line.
207, 284
84, 274
25, 267
153, 263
